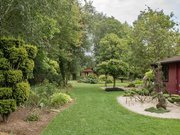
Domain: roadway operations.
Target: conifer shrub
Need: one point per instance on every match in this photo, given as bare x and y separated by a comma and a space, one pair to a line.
14, 76
21, 92
4, 64
16, 65
5, 92
31, 50
2, 78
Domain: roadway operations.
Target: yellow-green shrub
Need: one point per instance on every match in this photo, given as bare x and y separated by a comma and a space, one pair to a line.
7, 106
31, 50
14, 76
21, 92
5, 93
17, 55
4, 64
59, 99
2, 78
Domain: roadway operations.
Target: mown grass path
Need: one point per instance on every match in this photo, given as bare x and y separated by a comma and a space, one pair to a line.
97, 113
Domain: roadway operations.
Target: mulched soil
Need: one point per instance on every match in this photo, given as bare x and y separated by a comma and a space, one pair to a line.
18, 125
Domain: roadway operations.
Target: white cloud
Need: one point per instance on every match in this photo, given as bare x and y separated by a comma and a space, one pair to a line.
128, 10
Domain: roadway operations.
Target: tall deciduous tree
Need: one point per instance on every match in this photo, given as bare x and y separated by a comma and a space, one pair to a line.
111, 47
154, 37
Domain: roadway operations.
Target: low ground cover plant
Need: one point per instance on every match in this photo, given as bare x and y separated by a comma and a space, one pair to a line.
156, 110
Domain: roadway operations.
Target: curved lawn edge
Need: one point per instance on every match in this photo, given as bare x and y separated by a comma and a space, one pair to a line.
138, 108
97, 112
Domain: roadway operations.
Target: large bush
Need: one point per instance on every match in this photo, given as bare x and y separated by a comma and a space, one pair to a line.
16, 65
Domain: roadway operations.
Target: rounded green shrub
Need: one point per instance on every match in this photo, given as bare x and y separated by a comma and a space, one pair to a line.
4, 64
59, 99
7, 106
31, 50
21, 92
17, 55
14, 76
5, 93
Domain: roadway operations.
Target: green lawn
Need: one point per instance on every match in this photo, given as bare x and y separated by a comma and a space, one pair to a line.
97, 112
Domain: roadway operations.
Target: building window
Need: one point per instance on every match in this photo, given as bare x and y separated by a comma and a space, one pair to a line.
165, 70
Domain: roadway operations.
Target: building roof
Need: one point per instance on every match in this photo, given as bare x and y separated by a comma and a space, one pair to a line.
170, 60
88, 70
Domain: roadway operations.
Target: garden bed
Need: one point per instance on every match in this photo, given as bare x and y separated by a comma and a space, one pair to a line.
133, 104
18, 125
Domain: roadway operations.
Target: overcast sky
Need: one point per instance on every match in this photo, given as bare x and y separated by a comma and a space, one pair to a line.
128, 10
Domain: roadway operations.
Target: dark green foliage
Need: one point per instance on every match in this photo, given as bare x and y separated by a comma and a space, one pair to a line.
113, 89
14, 76
2, 78
31, 50
6, 43
15, 69
142, 92
5, 93
4, 64
131, 85
156, 110
21, 92
172, 98
7, 106
1, 54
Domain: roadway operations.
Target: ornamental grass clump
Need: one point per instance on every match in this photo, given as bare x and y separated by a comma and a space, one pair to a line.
16, 67
59, 99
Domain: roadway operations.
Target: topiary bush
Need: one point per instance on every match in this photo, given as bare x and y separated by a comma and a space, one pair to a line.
59, 99
21, 92
5, 92
6, 107
14, 76
16, 63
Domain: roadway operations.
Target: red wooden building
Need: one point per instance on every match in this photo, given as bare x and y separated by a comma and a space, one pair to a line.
87, 72
171, 70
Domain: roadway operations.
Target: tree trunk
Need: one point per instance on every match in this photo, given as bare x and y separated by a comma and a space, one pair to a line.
114, 82
5, 117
